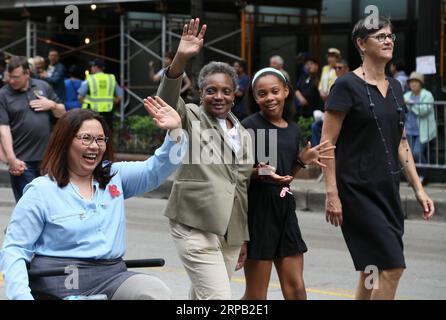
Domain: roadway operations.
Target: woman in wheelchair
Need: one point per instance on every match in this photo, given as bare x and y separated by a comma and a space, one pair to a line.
74, 214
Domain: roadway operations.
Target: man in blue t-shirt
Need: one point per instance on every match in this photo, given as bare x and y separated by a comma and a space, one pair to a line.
72, 85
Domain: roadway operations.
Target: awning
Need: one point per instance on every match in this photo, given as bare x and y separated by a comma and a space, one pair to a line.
19, 4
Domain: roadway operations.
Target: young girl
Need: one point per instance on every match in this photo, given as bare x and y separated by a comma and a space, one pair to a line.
273, 227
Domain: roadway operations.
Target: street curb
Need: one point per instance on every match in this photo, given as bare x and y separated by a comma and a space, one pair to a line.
313, 200
307, 199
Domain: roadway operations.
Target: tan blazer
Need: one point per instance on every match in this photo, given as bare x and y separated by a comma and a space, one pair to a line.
210, 197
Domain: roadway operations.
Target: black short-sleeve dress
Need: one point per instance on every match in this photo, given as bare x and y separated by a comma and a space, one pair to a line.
367, 177
272, 222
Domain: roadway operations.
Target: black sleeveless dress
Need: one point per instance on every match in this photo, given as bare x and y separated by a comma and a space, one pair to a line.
367, 178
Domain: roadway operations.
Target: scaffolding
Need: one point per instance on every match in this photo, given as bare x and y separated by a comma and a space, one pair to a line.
171, 27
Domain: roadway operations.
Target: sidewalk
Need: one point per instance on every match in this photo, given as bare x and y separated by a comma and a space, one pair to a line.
310, 194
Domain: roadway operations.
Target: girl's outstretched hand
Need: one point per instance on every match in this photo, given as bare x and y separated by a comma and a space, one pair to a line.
313, 155
268, 173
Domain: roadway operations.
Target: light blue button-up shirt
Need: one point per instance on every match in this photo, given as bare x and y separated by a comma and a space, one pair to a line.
58, 222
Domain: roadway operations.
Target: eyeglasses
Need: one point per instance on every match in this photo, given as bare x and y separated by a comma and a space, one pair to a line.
382, 37
339, 67
87, 139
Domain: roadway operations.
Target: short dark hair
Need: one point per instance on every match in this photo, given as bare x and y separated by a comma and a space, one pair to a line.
55, 159
242, 64
343, 62
214, 67
362, 31
17, 62
309, 58
98, 63
53, 50
74, 71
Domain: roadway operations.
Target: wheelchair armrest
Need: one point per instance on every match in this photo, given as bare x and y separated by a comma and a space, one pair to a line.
144, 263
138, 263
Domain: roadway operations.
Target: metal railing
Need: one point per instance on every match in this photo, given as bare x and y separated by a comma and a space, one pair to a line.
433, 152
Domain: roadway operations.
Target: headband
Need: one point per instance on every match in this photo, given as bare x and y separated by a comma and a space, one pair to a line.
264, 70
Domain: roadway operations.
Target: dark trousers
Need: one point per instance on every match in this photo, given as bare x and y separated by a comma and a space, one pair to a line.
419, 153
18, 183
316, 131
108, 116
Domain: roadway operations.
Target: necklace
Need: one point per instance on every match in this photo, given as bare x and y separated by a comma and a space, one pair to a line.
399, 109
77, 190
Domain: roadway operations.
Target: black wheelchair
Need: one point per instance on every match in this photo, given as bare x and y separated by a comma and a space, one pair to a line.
137, 263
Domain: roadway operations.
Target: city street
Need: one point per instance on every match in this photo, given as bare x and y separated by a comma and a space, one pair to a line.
310, 98
328, 271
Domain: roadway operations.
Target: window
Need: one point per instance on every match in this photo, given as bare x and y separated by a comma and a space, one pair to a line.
336, 11
285, 46
395, 9
279, 15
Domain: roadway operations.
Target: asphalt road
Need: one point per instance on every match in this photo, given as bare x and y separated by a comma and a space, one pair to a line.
328, 271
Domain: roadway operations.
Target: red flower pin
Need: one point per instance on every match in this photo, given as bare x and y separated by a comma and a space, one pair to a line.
114, 190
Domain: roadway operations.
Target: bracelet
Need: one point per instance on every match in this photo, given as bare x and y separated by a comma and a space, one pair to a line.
300, 163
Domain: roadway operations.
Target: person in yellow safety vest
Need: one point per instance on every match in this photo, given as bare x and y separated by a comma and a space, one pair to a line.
100, 91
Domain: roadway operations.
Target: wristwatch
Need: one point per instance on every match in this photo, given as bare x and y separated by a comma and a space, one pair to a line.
300, 163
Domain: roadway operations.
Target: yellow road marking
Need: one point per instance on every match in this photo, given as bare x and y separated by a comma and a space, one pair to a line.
276, 285
330, 293
273, 284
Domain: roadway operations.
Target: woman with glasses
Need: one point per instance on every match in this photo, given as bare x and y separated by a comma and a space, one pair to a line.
364, 118
74, 213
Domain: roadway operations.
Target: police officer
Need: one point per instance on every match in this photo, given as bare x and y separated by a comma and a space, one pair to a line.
100, 91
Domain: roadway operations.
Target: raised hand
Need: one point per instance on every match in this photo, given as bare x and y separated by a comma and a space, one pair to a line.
313, 154
191, 40
165, 116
